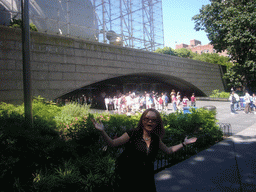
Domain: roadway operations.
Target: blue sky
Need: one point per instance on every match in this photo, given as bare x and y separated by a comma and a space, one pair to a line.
178, 26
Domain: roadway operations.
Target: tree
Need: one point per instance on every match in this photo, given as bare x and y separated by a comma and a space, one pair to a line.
231, 25
17, 23
213, 58
166, 50
206, 57
185, 53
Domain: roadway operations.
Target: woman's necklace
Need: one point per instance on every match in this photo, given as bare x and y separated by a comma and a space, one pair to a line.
147, 138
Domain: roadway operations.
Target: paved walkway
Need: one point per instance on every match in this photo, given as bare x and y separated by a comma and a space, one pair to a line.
229, 165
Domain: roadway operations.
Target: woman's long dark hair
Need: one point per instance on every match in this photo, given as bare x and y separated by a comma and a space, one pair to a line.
159, 129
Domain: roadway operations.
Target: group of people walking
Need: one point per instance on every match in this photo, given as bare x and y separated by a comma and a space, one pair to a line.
248, 103
135, 103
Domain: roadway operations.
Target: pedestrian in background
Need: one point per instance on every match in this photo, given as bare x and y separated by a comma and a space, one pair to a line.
233, 102
193, 100
254, 103
185, 101
166, 100
107, 102
160, 100
174, 102
247, 99
178, 98
237, 104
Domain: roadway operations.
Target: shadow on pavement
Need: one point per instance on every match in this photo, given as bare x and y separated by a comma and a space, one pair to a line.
227, 166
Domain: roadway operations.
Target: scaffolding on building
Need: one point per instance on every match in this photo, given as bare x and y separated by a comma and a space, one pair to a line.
131, 23
137, 23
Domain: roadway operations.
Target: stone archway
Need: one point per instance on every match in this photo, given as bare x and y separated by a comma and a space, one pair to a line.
137, 83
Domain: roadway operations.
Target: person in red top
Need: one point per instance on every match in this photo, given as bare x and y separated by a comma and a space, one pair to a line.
185, 101
160, 100
193, 100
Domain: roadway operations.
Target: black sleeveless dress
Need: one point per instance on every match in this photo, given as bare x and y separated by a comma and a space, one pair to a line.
135, 166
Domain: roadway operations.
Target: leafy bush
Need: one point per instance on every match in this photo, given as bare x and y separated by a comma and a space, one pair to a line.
65, 177
63, 150
71, 112
17, 23
200, 123
217, 94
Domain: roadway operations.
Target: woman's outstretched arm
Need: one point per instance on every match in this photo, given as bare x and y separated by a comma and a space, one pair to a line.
173, 149
111, 142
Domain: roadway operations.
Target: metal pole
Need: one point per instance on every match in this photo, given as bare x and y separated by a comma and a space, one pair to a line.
121, 20
26, 63
68, 19
104, 22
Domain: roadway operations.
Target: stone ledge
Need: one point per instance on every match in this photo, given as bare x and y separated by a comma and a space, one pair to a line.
212, 99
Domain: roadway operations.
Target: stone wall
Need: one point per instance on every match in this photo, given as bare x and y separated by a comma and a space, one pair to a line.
60, 65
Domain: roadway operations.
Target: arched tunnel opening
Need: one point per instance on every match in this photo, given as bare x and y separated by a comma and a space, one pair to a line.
138, 84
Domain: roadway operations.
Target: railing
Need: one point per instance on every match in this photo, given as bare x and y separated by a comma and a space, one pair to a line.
226, 129
169, 160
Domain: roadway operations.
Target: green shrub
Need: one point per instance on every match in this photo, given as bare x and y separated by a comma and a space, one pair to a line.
17, 23
217, 94
64, 178
200, 123
70, 113
63, 150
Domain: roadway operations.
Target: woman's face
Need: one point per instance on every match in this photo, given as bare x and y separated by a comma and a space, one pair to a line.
150, 121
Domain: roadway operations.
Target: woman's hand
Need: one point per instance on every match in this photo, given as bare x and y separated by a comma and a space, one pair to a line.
189, 141
98, 126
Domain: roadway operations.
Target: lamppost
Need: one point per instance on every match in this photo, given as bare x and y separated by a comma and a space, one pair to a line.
26, 63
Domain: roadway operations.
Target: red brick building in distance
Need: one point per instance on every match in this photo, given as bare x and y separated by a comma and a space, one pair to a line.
196, 47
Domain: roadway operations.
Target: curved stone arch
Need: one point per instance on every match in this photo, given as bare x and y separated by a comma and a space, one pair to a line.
181, 84
176, 83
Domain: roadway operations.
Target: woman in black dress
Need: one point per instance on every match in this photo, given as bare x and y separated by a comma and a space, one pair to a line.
135, 166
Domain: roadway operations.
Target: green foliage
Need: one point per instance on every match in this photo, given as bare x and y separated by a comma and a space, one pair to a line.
216, 93
206, 57
63, 178
60, 153
185, 53
45, 112
17, 23
178, 125
213, 58
230, 25
70, 113
10, 110
166, 50
33, 27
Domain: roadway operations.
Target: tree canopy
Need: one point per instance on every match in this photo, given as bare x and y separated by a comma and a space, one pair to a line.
206, 57
185, 53
231, 25
166, 50
213, 58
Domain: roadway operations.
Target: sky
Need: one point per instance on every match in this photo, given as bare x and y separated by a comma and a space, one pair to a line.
178, 26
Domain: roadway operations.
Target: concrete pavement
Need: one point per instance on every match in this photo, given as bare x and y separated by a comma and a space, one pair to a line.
229, 165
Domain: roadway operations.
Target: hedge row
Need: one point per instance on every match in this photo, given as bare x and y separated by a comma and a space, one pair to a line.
64, 152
